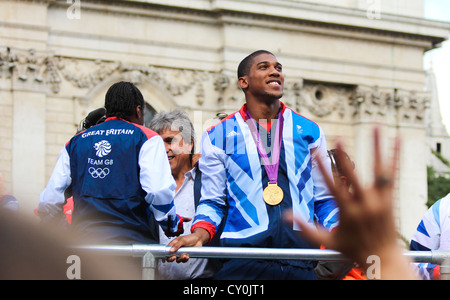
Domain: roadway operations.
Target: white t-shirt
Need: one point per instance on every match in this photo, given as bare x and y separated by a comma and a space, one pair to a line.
185, 207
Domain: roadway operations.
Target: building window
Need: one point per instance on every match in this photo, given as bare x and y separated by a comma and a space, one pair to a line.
149, 113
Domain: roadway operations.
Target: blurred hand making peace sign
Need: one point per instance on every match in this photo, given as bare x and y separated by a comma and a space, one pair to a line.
366, 221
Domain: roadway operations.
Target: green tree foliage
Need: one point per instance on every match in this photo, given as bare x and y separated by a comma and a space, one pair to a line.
438, 186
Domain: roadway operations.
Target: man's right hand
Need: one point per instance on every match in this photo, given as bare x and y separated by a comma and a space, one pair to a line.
197, 238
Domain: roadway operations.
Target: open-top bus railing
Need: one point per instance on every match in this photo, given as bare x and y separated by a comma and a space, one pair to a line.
151, 253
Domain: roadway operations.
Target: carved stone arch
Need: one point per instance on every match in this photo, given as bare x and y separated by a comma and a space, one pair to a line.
156, 98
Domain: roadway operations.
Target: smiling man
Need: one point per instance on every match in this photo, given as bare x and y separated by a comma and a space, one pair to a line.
256, 164
178, 135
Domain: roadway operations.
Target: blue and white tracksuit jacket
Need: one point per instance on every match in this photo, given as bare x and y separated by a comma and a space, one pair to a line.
433, 233
119, 175
233, 180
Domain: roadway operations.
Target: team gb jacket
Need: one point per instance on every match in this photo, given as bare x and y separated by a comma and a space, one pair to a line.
119, 175
233, 179
433, 233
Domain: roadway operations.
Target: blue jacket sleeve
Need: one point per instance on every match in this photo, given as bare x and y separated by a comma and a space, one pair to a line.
325, 207
212, 206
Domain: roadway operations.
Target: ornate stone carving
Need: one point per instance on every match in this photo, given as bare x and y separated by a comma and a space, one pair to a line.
227, 88
32, 69
322, 99
221, 83
404, 105
29, 69
416, 106
176, 82
85, 74
51, 74
29, 66
291, 95
8, 62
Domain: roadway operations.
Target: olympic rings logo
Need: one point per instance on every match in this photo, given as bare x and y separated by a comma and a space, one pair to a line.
99, 172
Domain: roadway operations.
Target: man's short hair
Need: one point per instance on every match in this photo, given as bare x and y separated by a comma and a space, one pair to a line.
121, 100
246, 63
175, 120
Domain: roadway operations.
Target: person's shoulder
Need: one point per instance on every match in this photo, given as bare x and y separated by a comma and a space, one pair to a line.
441, 208
147, 131
221, 122
302, 125
446, 199
299, 118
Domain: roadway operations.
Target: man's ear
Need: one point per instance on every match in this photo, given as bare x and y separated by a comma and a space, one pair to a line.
138, 110
139, 115
243, 82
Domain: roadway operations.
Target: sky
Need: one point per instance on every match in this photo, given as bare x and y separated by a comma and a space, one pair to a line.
440, 58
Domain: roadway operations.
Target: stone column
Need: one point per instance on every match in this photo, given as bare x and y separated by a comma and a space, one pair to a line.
28, 148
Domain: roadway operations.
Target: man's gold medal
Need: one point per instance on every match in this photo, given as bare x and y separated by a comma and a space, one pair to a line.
273, 194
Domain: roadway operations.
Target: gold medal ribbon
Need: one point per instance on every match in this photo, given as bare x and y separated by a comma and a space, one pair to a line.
272, 194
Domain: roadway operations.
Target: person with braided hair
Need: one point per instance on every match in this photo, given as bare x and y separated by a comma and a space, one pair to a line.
119, 174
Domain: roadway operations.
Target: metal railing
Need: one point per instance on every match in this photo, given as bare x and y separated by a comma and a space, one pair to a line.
151, 253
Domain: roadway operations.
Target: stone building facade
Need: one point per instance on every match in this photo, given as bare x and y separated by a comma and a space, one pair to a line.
348, 64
